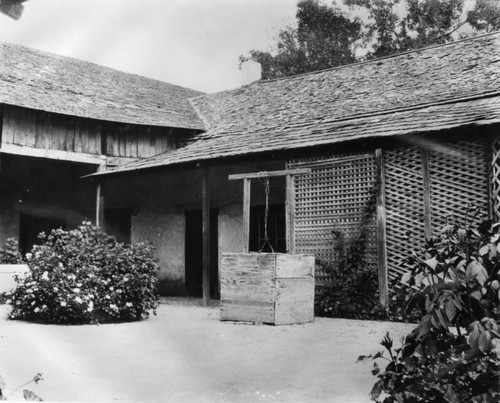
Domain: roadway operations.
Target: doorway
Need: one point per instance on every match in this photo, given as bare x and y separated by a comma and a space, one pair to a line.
30, 226
194, 253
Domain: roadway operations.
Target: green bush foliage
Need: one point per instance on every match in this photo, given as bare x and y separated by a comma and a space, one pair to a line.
85, 276
354, 290
450, 356
9, 253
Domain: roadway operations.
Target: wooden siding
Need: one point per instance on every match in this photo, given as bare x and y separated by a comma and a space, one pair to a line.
32, 129
336, 199
136, 141
28, 128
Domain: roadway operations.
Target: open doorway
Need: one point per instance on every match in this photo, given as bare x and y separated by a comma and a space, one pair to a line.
194, 253
31, 226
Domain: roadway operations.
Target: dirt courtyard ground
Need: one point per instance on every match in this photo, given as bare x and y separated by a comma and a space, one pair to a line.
185, 354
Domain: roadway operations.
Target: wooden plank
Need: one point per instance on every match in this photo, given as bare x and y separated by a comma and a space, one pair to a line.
246, 214
8, 126
268, 174
294, 266
427, 194
294, 301
52, 154
206, 235
381, 230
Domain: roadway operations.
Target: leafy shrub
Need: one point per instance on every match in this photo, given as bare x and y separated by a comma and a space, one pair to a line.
354, 290
450, 355
9, 253
85, 276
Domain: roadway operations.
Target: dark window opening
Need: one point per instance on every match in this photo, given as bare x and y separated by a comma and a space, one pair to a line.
31, 226
276, 229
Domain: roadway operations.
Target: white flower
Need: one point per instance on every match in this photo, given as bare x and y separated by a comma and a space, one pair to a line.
37, 309
113, 307
56, 289
28, 256
76, 290
91, 306
128, 304
79, 300
107, 297
45, 275
61, 266
63, 303
125, 279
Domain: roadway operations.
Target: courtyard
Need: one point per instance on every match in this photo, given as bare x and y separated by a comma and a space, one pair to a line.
186, 354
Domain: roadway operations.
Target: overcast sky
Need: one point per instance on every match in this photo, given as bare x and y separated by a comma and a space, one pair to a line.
193, 43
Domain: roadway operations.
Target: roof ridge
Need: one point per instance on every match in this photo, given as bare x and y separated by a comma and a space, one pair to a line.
364, 62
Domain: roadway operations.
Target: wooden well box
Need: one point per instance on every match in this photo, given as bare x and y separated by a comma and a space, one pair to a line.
274, 288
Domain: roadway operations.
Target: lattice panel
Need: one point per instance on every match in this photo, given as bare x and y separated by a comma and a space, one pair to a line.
336, 196
404, 206
495, 177
459, 176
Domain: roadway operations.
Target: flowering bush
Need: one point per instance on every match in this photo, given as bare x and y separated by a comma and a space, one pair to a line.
85, 276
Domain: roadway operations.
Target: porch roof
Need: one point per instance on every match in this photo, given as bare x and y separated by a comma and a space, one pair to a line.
43, 81
430, 89
329, 131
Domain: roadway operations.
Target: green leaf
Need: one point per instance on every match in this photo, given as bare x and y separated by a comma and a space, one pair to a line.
376, 390
476, 271
484, 250
432, 263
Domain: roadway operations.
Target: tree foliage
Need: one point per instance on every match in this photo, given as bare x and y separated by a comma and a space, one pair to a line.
328, 36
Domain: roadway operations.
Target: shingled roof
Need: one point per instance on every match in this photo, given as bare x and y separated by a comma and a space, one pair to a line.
43, 81
430, 89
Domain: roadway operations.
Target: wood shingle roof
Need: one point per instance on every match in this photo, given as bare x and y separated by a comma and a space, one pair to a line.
43, 81
430, 89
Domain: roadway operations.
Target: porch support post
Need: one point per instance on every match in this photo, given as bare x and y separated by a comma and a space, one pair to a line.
246, 214
381, 229
206, 235
99, 205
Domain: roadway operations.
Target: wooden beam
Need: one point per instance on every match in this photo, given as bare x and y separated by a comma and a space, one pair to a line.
52, 154
268, 174
290, 214
205, 189
381, 229
99, 206
246, 214
427, 194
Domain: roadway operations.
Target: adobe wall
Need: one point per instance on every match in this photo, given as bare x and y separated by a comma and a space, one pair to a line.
166, 232
161, 198
9, 222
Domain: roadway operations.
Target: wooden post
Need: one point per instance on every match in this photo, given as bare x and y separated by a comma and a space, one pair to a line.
246, 214
289, 201
290, 214
206, 236
99, 206
381, 229
427, 194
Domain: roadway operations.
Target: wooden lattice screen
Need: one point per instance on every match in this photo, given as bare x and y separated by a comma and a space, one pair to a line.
428, 187
404, 194
495, 176
337, 196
